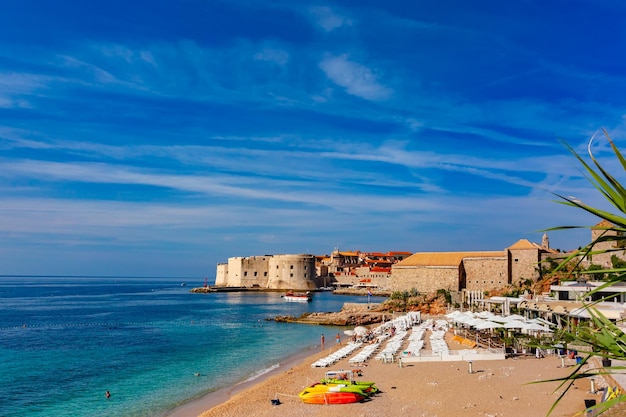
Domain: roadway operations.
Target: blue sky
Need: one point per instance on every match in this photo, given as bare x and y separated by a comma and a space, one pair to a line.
162, 137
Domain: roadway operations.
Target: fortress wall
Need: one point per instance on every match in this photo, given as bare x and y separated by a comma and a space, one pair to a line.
248, 272
295, 272
524, 264
221, 275
424, 279
486, 273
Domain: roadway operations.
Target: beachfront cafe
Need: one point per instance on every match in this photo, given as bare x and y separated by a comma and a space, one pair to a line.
569, 301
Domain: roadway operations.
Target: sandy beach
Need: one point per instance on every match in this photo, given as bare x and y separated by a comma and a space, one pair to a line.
429, 389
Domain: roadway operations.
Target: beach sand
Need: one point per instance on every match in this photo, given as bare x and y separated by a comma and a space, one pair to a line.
500, 388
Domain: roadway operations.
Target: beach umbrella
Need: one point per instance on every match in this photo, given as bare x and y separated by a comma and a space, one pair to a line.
464, 318
514, 317
499, 319
349, 332
536, 327
453, 314
474, 321
360, 330
488, 325
514, 324
485, 315
541, 321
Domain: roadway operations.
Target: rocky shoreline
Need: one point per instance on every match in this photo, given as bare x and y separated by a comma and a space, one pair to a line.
352, 314
339, 291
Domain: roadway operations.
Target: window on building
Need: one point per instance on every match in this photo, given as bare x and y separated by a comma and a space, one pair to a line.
245, 274
291, 275
290, 266
516, 259
255, 273
265, 273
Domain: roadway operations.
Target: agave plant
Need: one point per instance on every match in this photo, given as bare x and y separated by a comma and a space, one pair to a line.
604, 337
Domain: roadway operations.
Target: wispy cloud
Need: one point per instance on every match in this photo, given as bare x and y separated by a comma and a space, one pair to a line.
328, 19
357, 79
386, 123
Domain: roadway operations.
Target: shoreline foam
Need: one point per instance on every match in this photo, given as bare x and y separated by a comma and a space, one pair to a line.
215, 398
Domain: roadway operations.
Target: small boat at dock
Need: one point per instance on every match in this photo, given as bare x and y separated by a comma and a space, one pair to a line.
298, 297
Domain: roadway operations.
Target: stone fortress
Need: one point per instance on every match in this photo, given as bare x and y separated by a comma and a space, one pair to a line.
424, 272
268, 272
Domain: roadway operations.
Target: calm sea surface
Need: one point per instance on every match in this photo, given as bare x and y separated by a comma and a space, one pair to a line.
65, 341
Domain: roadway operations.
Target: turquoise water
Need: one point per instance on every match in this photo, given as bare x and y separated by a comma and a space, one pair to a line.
65, 341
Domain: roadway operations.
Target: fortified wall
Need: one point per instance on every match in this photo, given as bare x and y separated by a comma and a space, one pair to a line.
425, 279
427, 272
276, 272
485, 272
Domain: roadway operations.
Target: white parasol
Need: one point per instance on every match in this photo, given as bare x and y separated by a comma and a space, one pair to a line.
360, 330
488, 325
536, 327
515, 324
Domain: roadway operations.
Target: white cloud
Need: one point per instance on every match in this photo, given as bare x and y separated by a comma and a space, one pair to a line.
357, 79
328, 19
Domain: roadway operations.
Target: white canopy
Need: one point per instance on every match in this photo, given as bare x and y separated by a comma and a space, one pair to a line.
515, 317
514, 324
360, 330
487, 324
536, 327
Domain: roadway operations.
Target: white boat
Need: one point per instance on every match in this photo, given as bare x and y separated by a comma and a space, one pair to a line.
298, 297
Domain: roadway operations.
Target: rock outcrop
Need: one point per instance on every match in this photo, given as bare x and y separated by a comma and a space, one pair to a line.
352, 314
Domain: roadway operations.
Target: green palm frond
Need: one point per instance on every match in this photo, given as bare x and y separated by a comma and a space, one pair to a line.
604, 338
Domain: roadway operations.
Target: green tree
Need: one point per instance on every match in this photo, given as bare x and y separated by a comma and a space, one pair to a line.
602, 335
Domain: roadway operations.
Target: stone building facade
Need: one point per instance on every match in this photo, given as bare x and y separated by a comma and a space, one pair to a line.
487, 271
428, 272
615, 248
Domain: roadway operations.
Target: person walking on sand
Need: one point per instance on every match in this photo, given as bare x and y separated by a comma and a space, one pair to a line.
338, 338
322, 341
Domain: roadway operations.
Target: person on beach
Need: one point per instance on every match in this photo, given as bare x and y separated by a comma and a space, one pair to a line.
322, 340
338, 337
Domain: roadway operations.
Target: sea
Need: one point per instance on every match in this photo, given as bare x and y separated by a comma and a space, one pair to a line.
150, 342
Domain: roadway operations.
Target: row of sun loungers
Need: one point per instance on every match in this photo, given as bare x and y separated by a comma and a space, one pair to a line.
364, 354
416, 339
438, 343
393, 345
337, 355
381, 333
